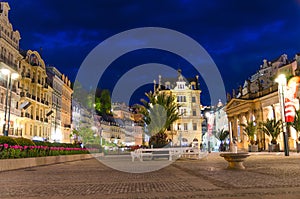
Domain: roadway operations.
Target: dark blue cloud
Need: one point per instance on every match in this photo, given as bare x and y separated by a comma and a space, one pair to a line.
237, 34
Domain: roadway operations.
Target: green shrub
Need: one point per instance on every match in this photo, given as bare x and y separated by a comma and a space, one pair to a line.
41, 143
7, 140
24, 142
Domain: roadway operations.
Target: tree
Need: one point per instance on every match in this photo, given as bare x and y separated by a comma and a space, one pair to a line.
87, 136
75, 135
103, 102
159, 112
221, 135
250, 130
272, 128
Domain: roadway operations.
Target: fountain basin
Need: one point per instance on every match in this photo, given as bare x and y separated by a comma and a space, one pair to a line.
235, 160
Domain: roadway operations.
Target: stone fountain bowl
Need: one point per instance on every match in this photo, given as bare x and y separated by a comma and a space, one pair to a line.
235, 160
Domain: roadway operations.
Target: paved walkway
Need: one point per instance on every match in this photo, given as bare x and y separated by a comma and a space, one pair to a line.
266, 177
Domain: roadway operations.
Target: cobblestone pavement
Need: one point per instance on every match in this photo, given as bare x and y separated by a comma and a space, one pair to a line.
267, 176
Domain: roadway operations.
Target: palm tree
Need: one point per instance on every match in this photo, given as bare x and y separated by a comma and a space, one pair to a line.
272, 128
250, 130
221, 135
159, 112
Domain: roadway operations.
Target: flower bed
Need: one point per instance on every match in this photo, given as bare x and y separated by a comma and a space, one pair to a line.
12, 149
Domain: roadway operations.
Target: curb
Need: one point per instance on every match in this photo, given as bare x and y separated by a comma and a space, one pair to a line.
21, 163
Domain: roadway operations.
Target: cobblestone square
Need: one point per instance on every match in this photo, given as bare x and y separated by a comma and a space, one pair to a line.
267, 175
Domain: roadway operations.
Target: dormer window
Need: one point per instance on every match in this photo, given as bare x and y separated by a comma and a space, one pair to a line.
181, 86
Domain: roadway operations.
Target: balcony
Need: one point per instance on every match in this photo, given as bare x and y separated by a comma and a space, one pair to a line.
9, 40
8, 62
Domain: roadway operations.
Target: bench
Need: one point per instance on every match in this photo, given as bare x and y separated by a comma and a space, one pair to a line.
169, 153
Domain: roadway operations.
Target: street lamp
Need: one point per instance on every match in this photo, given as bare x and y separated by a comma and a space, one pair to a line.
281, 80
10, 76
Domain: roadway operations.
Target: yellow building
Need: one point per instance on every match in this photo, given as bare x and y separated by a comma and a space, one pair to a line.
36, 97
66, 108
187, 130
9, 61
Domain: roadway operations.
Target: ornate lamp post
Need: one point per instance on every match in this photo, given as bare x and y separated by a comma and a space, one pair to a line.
10, 76
281, 80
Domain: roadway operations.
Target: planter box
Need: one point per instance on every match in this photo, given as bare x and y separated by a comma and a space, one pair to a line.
253, 148
274, 147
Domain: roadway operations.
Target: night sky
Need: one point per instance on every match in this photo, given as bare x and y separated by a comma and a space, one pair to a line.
238, 35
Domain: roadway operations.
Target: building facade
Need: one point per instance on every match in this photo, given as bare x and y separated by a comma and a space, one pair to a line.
9, 62
36, 97
258, 101
186, 131
124, 118
61, 105
66, 108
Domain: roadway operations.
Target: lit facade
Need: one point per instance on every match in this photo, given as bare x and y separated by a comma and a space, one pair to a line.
258, 101
187, 130
66, 108
9, 59
36, 97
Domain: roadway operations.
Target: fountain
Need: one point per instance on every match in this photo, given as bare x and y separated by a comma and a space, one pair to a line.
235, 159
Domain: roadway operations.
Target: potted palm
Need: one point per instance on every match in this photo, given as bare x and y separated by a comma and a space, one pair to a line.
250, 130
222, 135
296, 125
272, 128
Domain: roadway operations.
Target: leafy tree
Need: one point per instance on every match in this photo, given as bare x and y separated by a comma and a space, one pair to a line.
250, 130
103, 102
272, 128
87, 136
75, 134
